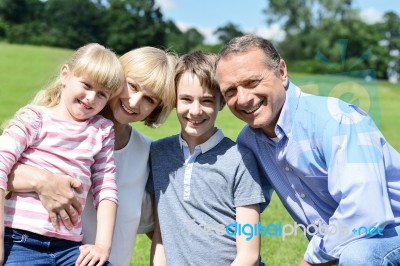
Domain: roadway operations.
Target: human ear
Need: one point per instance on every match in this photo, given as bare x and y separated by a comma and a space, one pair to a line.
64, 73
221, 102
283, 73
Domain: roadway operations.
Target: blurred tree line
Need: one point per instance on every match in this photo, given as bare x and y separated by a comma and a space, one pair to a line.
333, 32
315, 29
120, 24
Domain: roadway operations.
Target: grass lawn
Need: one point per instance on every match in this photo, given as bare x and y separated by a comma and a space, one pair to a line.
25, 69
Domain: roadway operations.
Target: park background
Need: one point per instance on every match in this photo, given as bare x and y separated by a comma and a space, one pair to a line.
329, 48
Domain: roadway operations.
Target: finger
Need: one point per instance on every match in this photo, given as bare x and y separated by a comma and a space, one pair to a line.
54, 221
76, 205
83, 252
79, 260
76, 185
87, 259
73, 214
66, 219
101, 262
96, 260
93, 261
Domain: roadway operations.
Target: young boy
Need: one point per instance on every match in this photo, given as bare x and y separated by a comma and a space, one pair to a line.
207, 190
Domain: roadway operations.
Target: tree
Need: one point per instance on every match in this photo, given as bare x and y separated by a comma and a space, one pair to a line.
191, 38
21, 11
228, 32
73, 23
132, 24
331, 31
174, 37
21, 20
303, 15
389, 31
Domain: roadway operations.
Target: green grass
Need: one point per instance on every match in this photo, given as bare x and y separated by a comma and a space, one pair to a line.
26, 69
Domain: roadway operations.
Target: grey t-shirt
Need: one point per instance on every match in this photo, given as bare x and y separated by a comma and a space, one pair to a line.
193, 223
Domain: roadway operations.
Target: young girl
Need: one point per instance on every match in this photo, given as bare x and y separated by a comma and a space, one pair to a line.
63, 134
149, 96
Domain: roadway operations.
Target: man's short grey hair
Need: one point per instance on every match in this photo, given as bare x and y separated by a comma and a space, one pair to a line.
248, 42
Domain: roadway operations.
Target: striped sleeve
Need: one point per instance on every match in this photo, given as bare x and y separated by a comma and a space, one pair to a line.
103, 170
20, 133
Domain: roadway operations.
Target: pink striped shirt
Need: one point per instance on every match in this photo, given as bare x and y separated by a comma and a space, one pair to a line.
80, 149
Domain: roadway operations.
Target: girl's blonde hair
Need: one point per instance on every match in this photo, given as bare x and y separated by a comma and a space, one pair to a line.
97, 63
153, 69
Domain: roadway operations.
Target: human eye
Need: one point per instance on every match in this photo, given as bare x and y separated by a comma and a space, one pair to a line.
103, 94
230, 92
132, 87
86, 85
150, 100
208, 100
251, 83
184, 99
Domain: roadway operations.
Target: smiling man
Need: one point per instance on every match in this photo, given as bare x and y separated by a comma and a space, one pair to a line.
326, 159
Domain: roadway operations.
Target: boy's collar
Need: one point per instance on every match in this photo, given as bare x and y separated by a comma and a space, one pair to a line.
209, 144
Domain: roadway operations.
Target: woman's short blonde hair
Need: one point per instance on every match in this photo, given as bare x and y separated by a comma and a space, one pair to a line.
153, 69
97, 63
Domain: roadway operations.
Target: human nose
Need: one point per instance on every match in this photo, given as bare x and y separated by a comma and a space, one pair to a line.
90, 96
195, 108
243, 97
134, 99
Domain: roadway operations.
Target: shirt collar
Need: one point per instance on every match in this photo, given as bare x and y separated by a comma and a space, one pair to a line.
208, 145
288, 112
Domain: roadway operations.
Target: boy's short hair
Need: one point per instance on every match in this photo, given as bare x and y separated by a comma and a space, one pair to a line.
201, 64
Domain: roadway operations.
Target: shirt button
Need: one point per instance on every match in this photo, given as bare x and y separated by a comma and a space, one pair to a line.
302, 195
287, 169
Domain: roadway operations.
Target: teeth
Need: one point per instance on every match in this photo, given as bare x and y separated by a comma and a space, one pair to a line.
195, 122
126, 109
85, 105
249, 111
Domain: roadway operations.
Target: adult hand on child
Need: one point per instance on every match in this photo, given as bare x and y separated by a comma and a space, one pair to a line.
56, 192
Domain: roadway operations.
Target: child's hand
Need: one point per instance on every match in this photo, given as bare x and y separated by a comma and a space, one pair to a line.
92, 255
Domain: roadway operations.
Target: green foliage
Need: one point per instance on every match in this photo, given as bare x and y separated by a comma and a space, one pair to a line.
73, 23
3, 29
333, 29
300, 16
20, 11
228, 32
312, 27
120, 24
131, 24
209, 48
317, 66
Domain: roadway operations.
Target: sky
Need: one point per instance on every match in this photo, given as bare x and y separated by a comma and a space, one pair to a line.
208, 15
